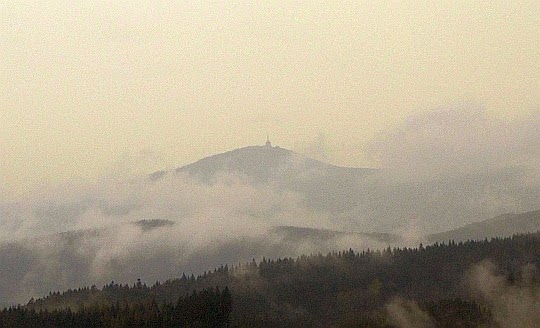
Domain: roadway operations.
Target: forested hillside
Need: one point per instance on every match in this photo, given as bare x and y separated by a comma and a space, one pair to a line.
465, 284
200, 309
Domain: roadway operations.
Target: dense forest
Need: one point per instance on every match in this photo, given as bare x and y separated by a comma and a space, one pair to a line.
451, 284
207, 308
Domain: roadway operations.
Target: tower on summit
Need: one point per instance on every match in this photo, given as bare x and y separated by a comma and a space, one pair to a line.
268, 143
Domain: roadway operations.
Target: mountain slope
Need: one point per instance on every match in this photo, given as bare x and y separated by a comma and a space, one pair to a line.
319, 236
500, 226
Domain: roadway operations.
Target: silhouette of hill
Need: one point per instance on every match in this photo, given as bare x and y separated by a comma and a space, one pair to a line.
266, 163
324, 187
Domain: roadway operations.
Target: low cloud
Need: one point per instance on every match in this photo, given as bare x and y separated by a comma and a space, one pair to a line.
84, 234
455, 165
466, 177
407, 314
513, 305
175, 197
458, 140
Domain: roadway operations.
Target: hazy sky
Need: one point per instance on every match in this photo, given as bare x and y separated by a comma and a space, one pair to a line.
90, 88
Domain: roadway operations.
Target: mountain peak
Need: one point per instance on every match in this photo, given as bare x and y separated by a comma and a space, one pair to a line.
265, 164
258, 162
262, 164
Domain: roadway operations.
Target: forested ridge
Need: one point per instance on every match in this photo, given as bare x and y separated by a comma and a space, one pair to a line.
344, 289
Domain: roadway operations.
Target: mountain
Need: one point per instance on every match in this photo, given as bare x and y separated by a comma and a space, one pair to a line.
323, 187
365, 199
262, 164
500, 226
194, 218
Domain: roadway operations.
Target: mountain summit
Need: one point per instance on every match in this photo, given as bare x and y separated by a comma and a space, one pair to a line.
263, 164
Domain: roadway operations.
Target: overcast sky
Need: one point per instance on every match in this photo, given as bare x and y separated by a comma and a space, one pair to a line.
91, 88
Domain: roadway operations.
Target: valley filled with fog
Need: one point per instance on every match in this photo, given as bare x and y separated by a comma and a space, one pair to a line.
269, 164
267, 201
